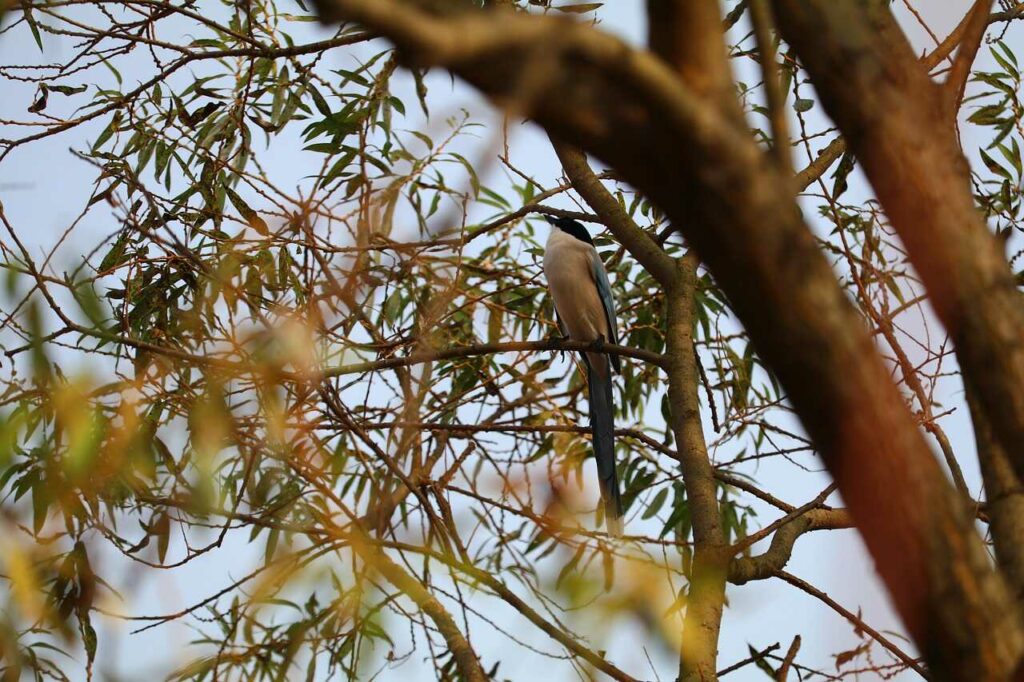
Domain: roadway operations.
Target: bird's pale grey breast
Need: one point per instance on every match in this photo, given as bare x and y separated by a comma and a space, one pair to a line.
568, 269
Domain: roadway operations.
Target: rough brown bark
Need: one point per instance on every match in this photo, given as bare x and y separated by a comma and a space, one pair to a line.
744, 569
1004, 502
735, 207
902, 136
706, 594
687, 35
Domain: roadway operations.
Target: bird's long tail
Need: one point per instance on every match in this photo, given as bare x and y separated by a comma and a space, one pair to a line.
602, 426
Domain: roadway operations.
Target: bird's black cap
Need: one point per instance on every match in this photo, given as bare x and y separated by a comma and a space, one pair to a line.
570, 226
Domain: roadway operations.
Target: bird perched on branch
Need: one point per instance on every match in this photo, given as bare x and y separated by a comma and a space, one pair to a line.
586, 312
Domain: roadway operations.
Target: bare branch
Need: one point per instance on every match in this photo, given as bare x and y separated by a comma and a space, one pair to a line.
855, 621
747, 661
775, 558
783, 674
956, 82
761, 15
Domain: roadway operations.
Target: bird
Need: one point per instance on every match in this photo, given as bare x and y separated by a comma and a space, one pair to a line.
585, 310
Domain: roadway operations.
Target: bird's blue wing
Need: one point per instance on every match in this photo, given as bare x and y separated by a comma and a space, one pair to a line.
604, 290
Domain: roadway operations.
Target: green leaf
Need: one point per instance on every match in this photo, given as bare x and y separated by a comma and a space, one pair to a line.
338, 168
319, 101
655, 506
117, 255
163, 155
760, 662
67, 89
41, 99
1007, 66
497, 200
846, 165
474, 181
580, 8
41, 499
1011, 155
162, 530
111, 128
322, 148
145, 153
250, 216
567, 569
1007, 51
32, 24
803, 105
398, 104
994, 166
117, 74
272, 539
89, 640
89, 303
421, 90
200, 114
494, 324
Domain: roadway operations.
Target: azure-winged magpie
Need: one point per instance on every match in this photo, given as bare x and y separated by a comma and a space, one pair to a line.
586, 312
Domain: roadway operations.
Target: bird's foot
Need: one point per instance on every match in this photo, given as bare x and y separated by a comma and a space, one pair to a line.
558, 338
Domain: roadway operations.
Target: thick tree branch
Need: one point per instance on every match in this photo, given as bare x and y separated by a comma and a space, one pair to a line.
466, 659
911, 156
1004, 501
947, 46
703, 619
956, 82
686, 35
753, 538
775, 558
639, 244
822, 162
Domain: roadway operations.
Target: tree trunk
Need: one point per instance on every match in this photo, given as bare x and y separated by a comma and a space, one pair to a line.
706, 592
